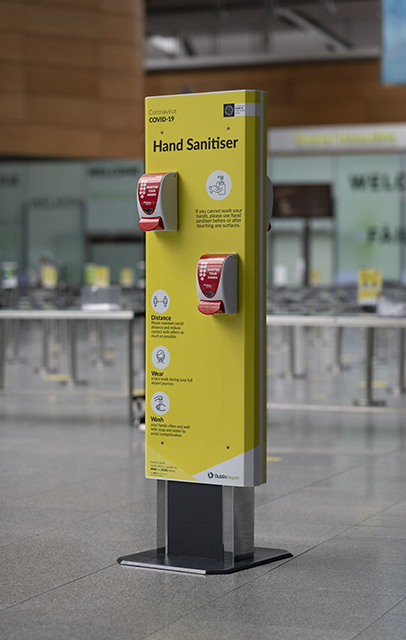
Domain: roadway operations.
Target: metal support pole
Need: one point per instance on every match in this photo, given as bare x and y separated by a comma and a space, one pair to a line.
291, 373
72, 351
72, 354
64, 335
318, 338
369, 365
12, 337
130, 344
238, 522
101, 360
161, 517
292, 352
45, 347
400, 388
402, 360
337, 366
16, 358
7, 334
16, 340
102, 339
306, 252
368, 401
2, 353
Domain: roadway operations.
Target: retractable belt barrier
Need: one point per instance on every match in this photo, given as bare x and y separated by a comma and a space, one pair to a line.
367, 322
71, 317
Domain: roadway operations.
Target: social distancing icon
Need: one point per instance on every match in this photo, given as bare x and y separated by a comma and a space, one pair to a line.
160, 301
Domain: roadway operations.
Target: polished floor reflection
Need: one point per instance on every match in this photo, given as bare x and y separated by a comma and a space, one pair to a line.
73, 498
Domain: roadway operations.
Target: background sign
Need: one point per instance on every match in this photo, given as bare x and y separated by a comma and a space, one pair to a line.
393, 57
369, 194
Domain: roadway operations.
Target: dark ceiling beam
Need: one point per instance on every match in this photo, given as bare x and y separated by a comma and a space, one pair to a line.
304, 23
210, 7
188, 46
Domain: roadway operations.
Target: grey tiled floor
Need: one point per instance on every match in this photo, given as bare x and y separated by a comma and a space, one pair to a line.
73, 498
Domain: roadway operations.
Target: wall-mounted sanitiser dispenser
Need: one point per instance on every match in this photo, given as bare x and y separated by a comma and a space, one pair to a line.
269, 203
216, 280
157, 200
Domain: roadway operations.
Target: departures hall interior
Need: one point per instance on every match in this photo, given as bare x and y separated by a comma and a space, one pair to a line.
260, 490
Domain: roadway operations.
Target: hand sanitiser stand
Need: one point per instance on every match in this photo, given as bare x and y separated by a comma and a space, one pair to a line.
205, 204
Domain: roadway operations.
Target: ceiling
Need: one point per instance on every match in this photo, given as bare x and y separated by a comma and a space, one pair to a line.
211, 33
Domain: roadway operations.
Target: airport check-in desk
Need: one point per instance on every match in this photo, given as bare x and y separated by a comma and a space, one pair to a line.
71, 317
367, 322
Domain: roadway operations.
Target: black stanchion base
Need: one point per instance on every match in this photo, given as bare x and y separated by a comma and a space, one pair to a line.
293, 376
373, 403
396, 391
74, 383
156, 559
339, 368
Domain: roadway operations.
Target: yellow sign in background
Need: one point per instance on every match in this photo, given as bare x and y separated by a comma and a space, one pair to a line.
49, 277
205, 382
369, 286
101, 276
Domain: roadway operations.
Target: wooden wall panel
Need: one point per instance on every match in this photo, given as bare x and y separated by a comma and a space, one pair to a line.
119, 117
12, 137
48, 141
12, 108
122, 6
11, 15
60, 21
54, 111
86, 4
118, 28
121, 88
122, 144
65, 52
62, 82
11, 47
119, 58
301, 94
71, 78
12, 78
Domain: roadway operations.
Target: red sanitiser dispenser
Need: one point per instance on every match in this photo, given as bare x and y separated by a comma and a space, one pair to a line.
157, 200
216, 280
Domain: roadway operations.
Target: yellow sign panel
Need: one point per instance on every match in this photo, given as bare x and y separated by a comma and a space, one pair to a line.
205, 374
49, 277
89, 273
315, 276
369, 286
101, 276
127, 277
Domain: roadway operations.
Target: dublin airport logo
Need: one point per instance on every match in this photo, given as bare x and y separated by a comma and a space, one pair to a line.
210, 475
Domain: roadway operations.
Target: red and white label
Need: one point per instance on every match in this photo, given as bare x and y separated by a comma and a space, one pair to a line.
209, 272
148, 191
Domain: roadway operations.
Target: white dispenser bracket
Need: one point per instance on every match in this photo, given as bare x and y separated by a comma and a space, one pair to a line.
269, 203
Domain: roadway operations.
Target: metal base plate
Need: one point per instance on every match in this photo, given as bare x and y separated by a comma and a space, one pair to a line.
396, 391
154, 559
